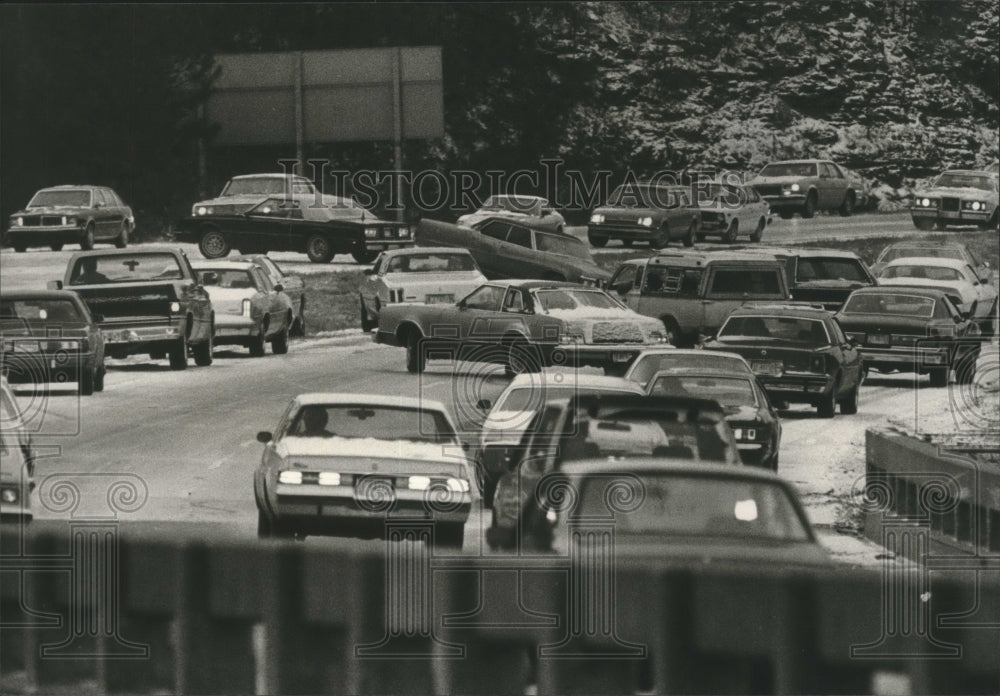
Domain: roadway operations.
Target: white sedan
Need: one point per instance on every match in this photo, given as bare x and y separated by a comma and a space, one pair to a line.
977, 300
530, 211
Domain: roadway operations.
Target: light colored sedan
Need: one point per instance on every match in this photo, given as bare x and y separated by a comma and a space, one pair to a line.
530, 211
424, 274
667, 358
977, 300
730, 210
292, 286
249, 310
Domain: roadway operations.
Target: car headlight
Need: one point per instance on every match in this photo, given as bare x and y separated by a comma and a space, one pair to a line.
246, 307
597, 219
646, 221
175, 307
405, 232
457, 485
371, 232
292, 477
745, 434
18, 222
974, 205
794, 187
658, 336
202, 210
329, 478
9, 495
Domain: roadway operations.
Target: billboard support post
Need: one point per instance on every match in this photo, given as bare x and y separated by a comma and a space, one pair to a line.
397, 129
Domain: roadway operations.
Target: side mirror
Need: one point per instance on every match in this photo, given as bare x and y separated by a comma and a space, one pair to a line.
54, 285
278, 287
369, 271
264, 436
484, 404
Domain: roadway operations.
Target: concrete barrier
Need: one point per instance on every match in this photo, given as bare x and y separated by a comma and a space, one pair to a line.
145, 614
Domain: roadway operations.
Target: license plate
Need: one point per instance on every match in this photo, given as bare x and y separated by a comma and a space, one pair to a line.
373, 488
767, 367
440, 299
621, 357
878, 340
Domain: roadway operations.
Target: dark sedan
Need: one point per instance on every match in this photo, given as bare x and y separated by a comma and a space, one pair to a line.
646, 212
748, 410
71, 215
49, 336
912, 329
800, 355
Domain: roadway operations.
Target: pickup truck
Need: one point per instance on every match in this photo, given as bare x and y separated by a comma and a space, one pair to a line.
692, 293
145, 301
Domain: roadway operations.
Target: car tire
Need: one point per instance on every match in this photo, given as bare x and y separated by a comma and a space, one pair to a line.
731, 232
121, 241
87, 378
487, 489
939, 376
319, 249
256, 343
924, 224
416, 356
279, 344
662, 238
87, 241
809, 207
847, 207
99, 378
19, 248
56, 247
828, 406
366, 323
758, 233
689, 237
627, 243
673, 331
178, 354
299, 326
965, 368
364, 257
203, 351
598, 242
700, 236
449, 535
786, 214
849, 405
940, 225
265, 526
213, 244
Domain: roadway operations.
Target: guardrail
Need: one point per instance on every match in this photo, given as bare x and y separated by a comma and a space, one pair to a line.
85, 604
948, 498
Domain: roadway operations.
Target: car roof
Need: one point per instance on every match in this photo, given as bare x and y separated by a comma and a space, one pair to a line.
920, 244
534, 284
920, 290
575, 379
700, 259
334, 398
801, 252
650, 403
524, 196
982, 172
223, 264
130, 251
669, 350
584, 467
778, 309
64, 187
426, 250
927, 261
39, 295
272, 175
798, 161
699, 372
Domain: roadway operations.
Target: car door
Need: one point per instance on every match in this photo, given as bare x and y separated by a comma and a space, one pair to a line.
373, 282
986, 294
474, 314
103, 215
513, 315
486, 248
265, 226
833, 186
517, 254
117, 210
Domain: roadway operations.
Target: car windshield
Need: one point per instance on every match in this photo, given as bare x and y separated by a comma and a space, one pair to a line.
437, 262
728, 391
36, 310
940, 251
692, 505
514, 204
648, 365
976, 181
789, 169
266, 186
891, 304
122, 268
791, 329
922, 272
644, 196
566, 300
234, 279
357, 421
557, 244
74, 198
809, 270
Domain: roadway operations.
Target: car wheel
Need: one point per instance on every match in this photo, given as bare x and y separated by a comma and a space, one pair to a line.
87, 382
965, 369
627, 243
56, 247
662, 238
364, 256
809, 207
213, 244
561, 229
939, 377
731, 232
366, 323
849, 406
487, 484
689, 237
256, 344
416, 357
925, 224
758, 232
673, 331
122, 240
786, 214
265, 526
203, 351
847, 207
299, 326
521, 359
597, 241
318, 248
99, 378
178, 354
19, 248
449, 536
279, 344
828, 406
87, 242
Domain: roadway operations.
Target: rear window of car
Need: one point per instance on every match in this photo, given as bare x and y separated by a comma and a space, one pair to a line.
790, 169
362, 421
892, 304
237, 279
125, 268
691, 505
39, 310
737, 282
648, 365
924, 272
790, 329
941, 252
830, 269
430, 263
728, 391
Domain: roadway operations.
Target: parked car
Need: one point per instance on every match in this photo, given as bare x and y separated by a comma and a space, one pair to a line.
691, 293
524, 325
957, 197
17, 475
821, 276
319, 230
666, 358
800, 355
729, 210
943, 250
531, 211
431, 275
748, 409
609, 428
71, 215
244, 192
249, 310
145, 300
976, 300
911, 329
344, 464
691, 514
809, 185
291, 285
50, 336
509, 416
504, 248
646, 212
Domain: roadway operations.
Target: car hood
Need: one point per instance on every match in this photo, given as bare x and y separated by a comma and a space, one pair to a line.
740, 552
962, 290
777, 179
52, 210
964, 192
